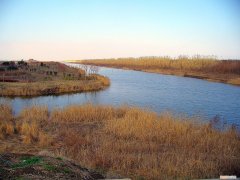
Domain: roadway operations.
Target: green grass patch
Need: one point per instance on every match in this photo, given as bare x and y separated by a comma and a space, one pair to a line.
49, 167
27, 161
59, 158
67, 171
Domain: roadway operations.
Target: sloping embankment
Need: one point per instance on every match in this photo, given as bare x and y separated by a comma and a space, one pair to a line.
27, 166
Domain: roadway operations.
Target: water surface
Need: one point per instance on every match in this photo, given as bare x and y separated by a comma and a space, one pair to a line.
155, 91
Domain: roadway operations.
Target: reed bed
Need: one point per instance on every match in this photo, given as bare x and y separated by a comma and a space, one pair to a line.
129, 141
29, 125
93, 83
6, 121
227, 71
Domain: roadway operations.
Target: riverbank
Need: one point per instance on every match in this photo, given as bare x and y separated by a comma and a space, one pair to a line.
40, 166
36, 78
129, 141
224, 71
54, 87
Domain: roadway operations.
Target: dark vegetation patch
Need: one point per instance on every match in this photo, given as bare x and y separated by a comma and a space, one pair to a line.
27, 166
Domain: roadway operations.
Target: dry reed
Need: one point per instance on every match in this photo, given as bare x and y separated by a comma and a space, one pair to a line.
134, 142
53, 87
227, 71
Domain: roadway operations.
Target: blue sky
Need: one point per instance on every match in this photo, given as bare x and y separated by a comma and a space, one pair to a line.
79, 29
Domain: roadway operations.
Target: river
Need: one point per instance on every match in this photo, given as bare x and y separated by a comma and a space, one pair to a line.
157, 92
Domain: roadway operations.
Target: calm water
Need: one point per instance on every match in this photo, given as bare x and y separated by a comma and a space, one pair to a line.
154, 91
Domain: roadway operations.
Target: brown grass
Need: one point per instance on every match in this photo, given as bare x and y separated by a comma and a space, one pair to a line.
132, 142
6, 121
227, 71
29, 125
32, 123
93, 83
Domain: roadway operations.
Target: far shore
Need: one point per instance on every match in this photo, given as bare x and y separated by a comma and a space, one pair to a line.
227, 71
36, 78
57, 87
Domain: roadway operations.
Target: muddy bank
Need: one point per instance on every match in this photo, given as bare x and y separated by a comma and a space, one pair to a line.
28, 166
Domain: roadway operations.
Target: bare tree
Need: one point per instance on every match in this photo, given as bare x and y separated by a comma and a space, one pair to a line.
85, 68
94, 69
91, 69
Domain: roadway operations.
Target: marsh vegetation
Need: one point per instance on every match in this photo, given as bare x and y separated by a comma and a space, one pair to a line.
91, 83
34, 78
130, 141
209, 68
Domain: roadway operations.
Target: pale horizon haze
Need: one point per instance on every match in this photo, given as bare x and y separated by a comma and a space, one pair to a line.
85, 29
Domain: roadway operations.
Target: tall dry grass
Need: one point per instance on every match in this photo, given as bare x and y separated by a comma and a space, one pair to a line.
199, 63
53, 87
30, 125
136, 143
6, 121
141, 143
227, 71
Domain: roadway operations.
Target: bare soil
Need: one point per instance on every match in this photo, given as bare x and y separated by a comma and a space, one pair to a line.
27, 166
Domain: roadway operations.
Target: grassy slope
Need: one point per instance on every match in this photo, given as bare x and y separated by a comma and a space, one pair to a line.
53, 87
26, 166
208, 69
130, 141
